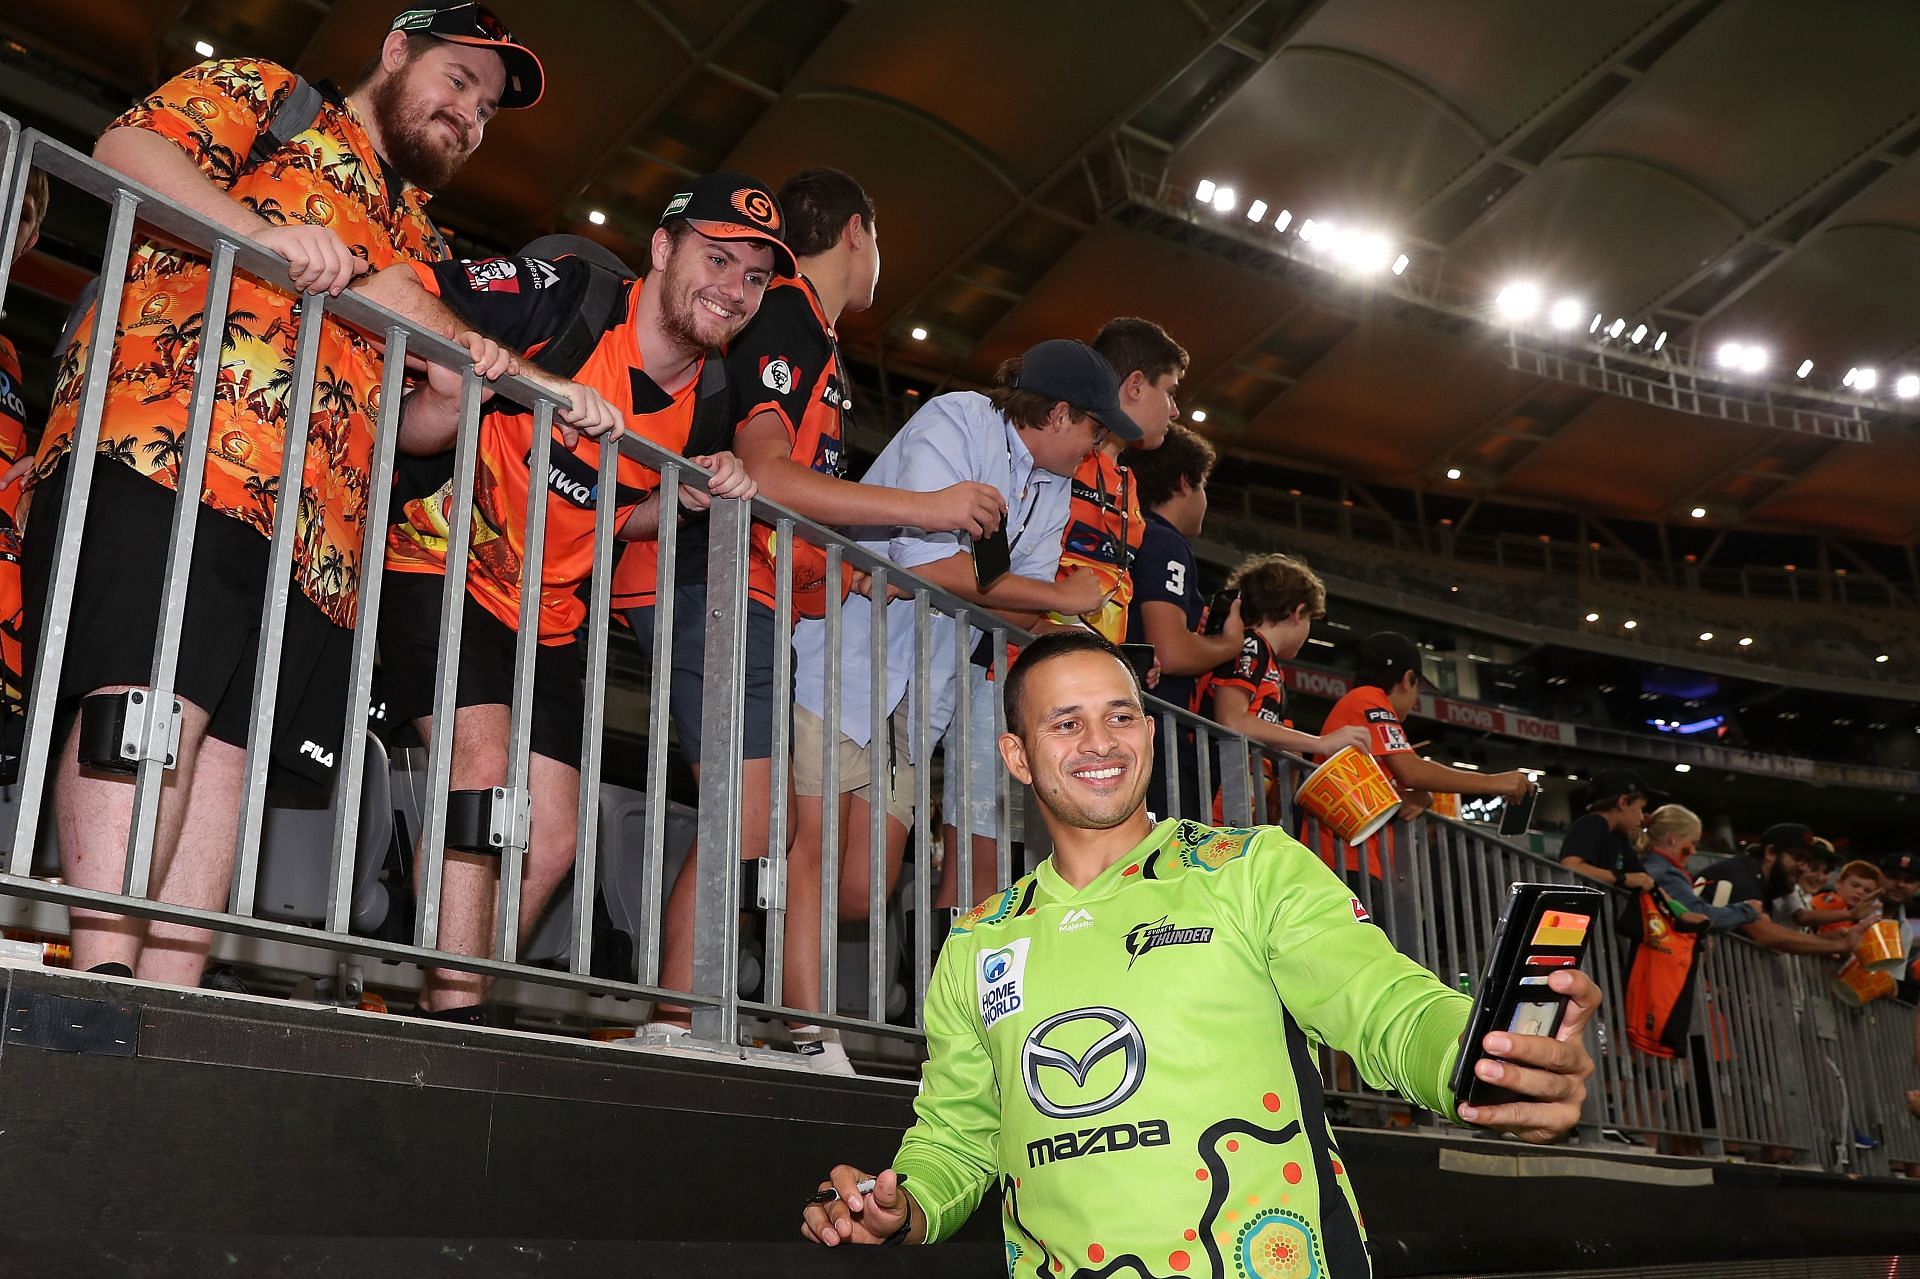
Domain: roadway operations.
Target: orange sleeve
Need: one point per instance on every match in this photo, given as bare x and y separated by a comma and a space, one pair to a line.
213, 112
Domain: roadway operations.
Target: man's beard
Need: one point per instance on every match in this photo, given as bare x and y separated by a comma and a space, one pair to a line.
416, 149
680, 315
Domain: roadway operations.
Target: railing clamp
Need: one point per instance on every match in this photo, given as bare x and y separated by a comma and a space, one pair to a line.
120, 731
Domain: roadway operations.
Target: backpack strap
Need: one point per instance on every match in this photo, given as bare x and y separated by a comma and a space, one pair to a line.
293, 117
713, 422
601, 308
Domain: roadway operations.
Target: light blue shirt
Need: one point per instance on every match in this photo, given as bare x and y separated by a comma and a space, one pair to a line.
954, 437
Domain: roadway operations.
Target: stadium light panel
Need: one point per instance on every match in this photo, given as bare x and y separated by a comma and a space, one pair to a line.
918, 334
1256, 210
1308, 230
202, 48
1706, 637
1683, 768
1866, 379
1661, 340
1566, 313
1204, 192
1639, 334
1754, 359
1284, 221
1907, 386
1746, 641
1198, 415
1401, 263
1628, 625
1806, 367
1615, 329
1598, 320
1698, 512
1729, 355
1883, 658
1224, 199
1453, 472
1519, 301
596, 217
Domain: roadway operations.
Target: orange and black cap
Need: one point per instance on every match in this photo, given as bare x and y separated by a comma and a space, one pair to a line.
464, 22
733, 206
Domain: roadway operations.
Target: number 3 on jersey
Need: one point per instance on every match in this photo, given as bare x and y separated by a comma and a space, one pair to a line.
1176, 578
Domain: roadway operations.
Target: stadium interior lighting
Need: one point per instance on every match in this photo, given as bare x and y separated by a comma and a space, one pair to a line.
1628, 625
1706, 637
1598, 320
1224, 199
1198, 415
1806, 367
1320, 642
1566, 313
596, 217
1683, 768
1204, 192
1256, 210
1401, 263
1907, 385
1747, 357
202, 48
1883, 658
1754, 359
1453, 472
1615, 329
1593, 617
1471, 768
918, 334
1746, 641
1284, 221
1308, 230
1661, 340
1519, 301
1866, 379
1639, 334
1698, 512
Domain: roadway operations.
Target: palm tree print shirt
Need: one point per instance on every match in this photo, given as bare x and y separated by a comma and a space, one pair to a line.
328, 176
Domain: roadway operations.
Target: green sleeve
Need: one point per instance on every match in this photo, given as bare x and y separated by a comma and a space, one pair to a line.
1345, 983
950, 1153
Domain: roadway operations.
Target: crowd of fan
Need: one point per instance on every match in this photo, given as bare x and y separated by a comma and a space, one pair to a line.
721, 347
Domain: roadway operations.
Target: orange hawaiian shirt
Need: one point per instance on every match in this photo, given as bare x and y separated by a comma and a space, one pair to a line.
13, 442
328, 176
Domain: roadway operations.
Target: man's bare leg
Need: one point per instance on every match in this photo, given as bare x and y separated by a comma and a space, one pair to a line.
93, 811
467, 880
856, 867
201, 872
986, 869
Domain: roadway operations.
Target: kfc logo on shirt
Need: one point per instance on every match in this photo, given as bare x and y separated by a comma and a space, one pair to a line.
777, 376
494, 275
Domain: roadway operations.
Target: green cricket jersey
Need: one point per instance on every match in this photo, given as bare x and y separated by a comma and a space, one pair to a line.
1134, 1062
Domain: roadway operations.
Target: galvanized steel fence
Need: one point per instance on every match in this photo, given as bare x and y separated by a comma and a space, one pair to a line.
1782, 1071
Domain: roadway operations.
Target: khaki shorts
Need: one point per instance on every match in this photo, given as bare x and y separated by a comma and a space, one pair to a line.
855, 763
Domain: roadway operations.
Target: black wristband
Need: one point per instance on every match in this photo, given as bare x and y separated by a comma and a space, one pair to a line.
906, 1228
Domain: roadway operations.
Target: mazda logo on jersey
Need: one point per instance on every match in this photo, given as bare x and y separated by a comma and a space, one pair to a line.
569, 478
1082, 1062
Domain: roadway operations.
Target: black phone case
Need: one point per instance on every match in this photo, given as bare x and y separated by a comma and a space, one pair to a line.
1517, 819
992, 558
1512, 979
1217, 610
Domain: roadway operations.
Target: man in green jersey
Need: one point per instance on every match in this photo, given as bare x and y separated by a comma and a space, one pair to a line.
1124, 1040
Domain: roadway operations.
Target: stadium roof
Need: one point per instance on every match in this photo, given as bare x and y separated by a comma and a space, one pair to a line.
1720, 170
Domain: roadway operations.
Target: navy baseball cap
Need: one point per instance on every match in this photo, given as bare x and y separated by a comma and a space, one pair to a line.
1612, 783
1791, 837
464, 22
1063, 369
1902, 865
733, 206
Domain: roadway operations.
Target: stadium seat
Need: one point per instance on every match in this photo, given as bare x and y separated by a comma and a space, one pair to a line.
296, 853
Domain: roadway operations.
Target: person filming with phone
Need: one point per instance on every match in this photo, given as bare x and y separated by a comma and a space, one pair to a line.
1124, 1039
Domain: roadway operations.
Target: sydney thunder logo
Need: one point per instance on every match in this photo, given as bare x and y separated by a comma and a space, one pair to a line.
1142, 938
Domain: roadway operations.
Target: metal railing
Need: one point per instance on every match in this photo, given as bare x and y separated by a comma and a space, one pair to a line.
1776, 1040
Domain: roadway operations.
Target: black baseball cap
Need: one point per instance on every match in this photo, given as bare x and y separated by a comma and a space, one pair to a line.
1791, 837
733, 206
464, 22
1389, 654
1612, 783
1063, 369
1901, 865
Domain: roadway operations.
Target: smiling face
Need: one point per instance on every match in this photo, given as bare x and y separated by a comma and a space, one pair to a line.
432, 105
709, 288
1083, 740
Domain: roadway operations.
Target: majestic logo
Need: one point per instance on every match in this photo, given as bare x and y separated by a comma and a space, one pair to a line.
1142, 938
759, 206
999, 976
1044, 1051
1076, 919
777, 376
1096, 1141
542, 276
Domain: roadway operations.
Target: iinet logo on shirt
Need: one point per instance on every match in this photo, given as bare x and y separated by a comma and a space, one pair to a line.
1076, 919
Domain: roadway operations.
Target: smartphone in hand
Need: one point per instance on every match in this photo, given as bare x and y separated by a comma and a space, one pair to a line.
992, 558
1544, 927
1217, 610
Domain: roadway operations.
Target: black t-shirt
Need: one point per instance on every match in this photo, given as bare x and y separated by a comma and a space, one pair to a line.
1164, 571
1744, 873
1597, 844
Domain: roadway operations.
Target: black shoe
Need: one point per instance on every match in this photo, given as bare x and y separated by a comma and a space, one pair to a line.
498, 1018
111, 970
224, 980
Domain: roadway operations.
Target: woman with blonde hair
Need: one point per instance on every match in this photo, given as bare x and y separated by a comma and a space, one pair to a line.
1672, 918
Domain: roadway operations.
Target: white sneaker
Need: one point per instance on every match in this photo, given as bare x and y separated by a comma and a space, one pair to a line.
659, 1034
821, 1052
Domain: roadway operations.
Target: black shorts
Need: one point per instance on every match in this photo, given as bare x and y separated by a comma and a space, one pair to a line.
688, 683
116, 611
410, 657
